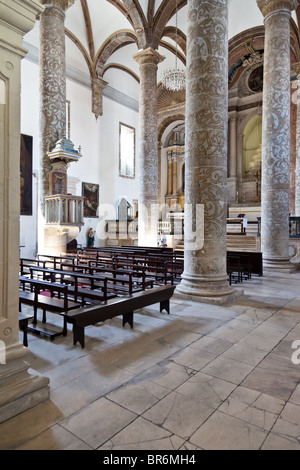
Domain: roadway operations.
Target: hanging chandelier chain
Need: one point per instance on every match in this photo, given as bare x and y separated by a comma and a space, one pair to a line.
174, 80
176, 29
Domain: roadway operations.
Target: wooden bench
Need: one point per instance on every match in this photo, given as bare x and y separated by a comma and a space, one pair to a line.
255, 259
125, 306
73, 278
26, 263
234, 268
23, 325
58, 302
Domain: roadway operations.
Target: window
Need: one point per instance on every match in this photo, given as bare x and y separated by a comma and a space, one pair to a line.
126, 151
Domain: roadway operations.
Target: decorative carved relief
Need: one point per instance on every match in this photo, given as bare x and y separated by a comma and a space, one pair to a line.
276, 131
98, 85
61, 4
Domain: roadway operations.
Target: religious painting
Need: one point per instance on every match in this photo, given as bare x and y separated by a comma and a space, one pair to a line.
126, 151
26, 175
90, 192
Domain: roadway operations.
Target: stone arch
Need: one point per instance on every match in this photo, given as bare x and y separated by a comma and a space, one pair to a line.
163, 124
111, 45
245, 183
163, 14
252, 138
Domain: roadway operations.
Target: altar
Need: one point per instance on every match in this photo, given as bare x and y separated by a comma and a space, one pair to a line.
240, 221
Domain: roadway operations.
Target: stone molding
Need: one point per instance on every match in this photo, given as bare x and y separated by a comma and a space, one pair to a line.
60, 4
19, 16
268, 7
148, 56
98, 85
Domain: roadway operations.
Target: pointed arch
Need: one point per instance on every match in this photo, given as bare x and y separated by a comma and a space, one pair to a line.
134, 13
112, 44
163, 15
166, 122
82, 50
121, 67
88, 27
172, 49
180, 37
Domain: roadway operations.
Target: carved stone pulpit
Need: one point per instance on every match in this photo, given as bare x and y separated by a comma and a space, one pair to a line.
63, 211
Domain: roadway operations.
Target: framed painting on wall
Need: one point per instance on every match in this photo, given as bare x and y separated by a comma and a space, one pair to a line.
26, 175
126, 151
90, 192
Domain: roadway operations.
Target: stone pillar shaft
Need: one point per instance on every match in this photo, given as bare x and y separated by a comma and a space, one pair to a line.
297, 169
276, 133
20, 390
205, 272
233, 146
175, 176
148, 60
170, 175
52, 84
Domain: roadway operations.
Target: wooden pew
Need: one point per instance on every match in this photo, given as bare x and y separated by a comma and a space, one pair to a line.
58, 302
163, 266
254, 259
122, 280
23, 325
125, 306
54, 261
73, 278
25, 264
234, 268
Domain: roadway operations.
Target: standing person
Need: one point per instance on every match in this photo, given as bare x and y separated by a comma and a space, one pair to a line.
163, 240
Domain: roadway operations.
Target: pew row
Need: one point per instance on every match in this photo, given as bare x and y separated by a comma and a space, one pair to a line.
35, 297
125, 306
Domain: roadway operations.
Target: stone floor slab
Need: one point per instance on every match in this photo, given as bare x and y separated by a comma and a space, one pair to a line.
224, 432
97, 422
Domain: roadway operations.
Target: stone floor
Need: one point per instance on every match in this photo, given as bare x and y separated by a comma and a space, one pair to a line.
203, 377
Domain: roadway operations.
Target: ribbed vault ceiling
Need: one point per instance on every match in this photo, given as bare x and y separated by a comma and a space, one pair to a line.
103, 35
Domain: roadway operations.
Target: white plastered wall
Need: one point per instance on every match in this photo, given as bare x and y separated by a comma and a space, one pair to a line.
99, 141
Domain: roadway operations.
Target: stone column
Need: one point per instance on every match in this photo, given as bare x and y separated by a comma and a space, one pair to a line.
148, 60
232, 157
52, 83
20, 390
276, 134
233, 145
296, 67
52, 98
174, 191
205, 274
159, 147
170, 174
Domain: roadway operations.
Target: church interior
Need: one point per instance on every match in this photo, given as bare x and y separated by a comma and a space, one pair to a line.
122, 121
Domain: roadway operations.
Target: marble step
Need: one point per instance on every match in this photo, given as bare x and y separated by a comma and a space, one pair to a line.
235, 243
242, 243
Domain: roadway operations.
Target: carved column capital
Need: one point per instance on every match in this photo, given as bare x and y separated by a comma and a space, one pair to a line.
233, 118
98, 85
268, 7
148, 56
60, 4
296, 68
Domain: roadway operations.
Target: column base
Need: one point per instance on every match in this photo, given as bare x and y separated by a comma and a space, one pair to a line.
282, 265
19, 389
210, 291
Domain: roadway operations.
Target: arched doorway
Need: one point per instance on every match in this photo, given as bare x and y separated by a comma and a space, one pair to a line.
252, 140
